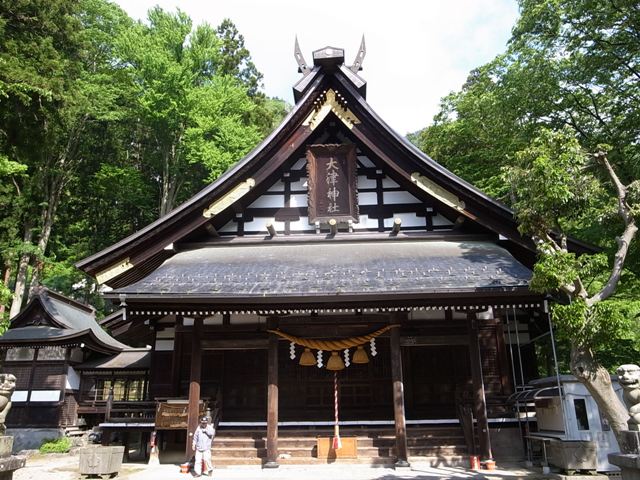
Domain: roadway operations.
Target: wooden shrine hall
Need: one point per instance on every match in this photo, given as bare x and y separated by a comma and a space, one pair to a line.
334, 273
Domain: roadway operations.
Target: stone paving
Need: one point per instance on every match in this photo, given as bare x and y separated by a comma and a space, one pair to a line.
65, 467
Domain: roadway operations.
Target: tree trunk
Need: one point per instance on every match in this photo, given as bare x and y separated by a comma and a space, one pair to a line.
166, 185
48, 216
5, 281
598, 382
21, 276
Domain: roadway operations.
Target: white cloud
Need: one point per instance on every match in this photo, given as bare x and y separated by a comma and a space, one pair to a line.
417, 51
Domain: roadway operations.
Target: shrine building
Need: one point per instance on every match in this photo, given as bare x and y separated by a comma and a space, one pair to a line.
336, 273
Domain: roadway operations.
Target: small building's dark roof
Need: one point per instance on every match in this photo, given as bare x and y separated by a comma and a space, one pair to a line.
330, 269
34, 334
53, 319
137, 359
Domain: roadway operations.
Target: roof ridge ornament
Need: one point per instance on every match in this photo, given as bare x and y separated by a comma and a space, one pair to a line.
328, 60
328, 55
357, 63
303, 67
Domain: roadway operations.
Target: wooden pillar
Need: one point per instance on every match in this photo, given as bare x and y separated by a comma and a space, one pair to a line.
176, 358
272, 403
479, 398
109, 405
398, 399
194, 384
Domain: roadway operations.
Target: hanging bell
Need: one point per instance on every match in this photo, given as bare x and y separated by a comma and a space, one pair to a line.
360, 356
307, 358
335, 362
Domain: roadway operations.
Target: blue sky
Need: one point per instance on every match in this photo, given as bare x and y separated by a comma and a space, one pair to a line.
417, 51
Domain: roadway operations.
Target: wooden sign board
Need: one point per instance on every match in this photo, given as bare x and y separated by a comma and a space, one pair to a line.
333, 183
174, 414
326, 451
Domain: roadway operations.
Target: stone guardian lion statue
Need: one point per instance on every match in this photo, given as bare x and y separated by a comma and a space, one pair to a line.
7, 386
629, 379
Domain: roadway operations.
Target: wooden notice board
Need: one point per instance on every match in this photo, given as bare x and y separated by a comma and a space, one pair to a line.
326, 452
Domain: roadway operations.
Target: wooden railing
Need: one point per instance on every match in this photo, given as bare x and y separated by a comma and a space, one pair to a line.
143, 412
166, 414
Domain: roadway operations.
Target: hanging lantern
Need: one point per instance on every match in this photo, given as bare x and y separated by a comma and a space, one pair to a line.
360, 356
307, 359
335, 362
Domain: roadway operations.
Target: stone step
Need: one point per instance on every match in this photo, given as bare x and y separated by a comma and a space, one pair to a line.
242, 452
432, 461
346, 431
299, 451
380, 461
233, 461
439, 461
364, 451
433, 445
384, 442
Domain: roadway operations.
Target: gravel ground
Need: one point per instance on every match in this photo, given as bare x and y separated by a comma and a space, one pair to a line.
65, 467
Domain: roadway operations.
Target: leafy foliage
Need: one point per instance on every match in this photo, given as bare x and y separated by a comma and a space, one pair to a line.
520, 129
107, 123
58, 445
551, 186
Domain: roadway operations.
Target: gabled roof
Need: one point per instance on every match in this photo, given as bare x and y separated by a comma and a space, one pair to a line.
270, 272
328, 91
53, 319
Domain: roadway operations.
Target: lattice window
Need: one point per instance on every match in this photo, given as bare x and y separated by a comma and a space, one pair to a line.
20, 354
52, 353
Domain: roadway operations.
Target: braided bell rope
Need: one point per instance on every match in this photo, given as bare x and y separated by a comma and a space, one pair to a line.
333, 345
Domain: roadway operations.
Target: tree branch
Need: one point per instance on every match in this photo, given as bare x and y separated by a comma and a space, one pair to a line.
624, 240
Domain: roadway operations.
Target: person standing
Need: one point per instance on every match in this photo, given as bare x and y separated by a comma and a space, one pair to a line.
202, 438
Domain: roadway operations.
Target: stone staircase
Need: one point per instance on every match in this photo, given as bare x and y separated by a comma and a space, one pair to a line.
436, 446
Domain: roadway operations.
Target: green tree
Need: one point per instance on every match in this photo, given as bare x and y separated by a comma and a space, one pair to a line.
193, 96
56, 84
570, 64
235, 59
554, 187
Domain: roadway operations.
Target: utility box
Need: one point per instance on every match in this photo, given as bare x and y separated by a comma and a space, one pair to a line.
101, 460
568, 422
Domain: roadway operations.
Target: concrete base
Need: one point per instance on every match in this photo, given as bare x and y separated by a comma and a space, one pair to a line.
560, 476
6, 445
629, 442
32, 438
98, 460
629, 464
9, 463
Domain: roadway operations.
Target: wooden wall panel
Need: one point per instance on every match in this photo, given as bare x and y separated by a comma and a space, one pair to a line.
69, 413
160, 382
49, 377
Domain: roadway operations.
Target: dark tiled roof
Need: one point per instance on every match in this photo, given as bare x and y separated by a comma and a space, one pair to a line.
132, 359
24, 334
68, 315
66, 320
327, 268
